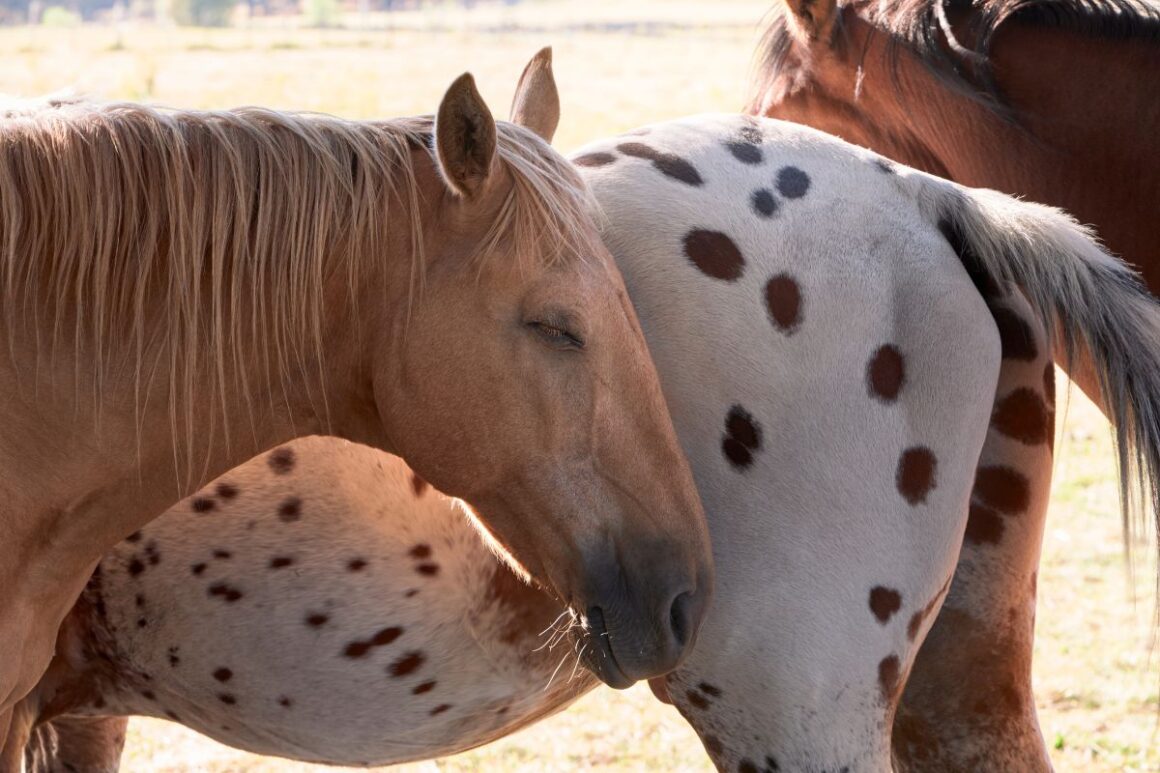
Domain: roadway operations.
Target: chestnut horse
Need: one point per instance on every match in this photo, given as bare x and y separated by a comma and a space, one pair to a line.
180, 290
845, 396
1055, 100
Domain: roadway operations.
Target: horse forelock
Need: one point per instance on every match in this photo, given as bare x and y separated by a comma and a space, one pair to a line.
195, 239
960, 61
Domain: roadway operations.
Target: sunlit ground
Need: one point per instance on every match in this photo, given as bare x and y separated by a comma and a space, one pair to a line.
618, 65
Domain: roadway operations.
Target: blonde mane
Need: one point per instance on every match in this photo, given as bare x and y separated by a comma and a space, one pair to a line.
194, 239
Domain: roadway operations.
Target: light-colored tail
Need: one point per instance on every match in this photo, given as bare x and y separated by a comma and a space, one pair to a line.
1105, 323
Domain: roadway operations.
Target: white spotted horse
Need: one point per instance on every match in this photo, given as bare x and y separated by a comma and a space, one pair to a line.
855, 356
181, 290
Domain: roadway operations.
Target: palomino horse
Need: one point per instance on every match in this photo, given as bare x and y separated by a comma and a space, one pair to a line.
833, 374
194, 287
1055, 100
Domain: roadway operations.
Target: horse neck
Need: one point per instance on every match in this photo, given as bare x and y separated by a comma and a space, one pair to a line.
82, 464
1080, 139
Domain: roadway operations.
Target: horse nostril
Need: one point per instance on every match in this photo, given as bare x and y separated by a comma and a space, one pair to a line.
681, 618
596, 624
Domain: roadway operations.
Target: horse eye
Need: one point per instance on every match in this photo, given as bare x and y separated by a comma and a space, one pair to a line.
556, 335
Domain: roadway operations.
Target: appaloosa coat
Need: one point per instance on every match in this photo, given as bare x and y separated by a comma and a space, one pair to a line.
866, 402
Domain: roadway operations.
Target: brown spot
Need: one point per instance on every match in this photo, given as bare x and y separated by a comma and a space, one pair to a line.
418, 485
202, 504
915, 476
225, 591
139, 601
747, 766
420, 551
889, 671
223, 674
407, 664
410, 592
142, 622
751, 132
742, 437
197, 569
386, 636
1015, 337
281, 460
222, 554
709, 689
783, 301
666, 163
285, 702
357, 649
792, 182
227, 490
440, 708
290, 510
136, 567
984, 526
174, 660
227, 698
594, 159
148, 695
745, 151
281, 562
135, 537
916, 619
1003, 489
356, 565
172, 715
317, 620
697, 700
427, 686
884, 602
1022, 415
428, 569
714, 254
885, 374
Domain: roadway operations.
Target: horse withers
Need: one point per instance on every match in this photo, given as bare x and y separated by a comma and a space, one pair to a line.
180, 290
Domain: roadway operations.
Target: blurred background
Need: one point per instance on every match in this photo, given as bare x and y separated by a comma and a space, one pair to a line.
618, 65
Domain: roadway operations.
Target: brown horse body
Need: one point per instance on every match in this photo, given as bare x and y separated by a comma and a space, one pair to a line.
1072, 123
181, 290
1054, 101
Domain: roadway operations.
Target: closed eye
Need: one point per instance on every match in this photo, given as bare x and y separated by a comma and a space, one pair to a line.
556, 335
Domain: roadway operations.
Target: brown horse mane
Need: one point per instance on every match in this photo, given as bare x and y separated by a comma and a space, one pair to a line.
922, 27
187, 243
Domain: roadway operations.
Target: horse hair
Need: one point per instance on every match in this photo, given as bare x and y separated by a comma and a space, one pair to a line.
920, 26
180, 243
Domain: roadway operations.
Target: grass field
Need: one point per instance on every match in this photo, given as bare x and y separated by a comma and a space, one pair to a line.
618, 65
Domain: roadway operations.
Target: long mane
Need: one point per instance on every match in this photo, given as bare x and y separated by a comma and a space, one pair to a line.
179, 243
962, 62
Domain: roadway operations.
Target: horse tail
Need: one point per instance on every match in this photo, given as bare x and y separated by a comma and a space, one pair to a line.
1104, 322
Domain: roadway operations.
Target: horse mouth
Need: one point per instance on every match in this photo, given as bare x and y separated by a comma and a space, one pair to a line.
598, 655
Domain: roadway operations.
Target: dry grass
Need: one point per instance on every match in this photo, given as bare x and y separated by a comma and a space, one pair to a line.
1096, 683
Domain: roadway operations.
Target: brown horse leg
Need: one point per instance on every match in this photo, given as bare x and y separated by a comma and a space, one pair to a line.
969, 705
77, 743
20, 718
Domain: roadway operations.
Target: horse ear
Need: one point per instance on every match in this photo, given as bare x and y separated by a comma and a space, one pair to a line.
464, 138
813, 18
536, 105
